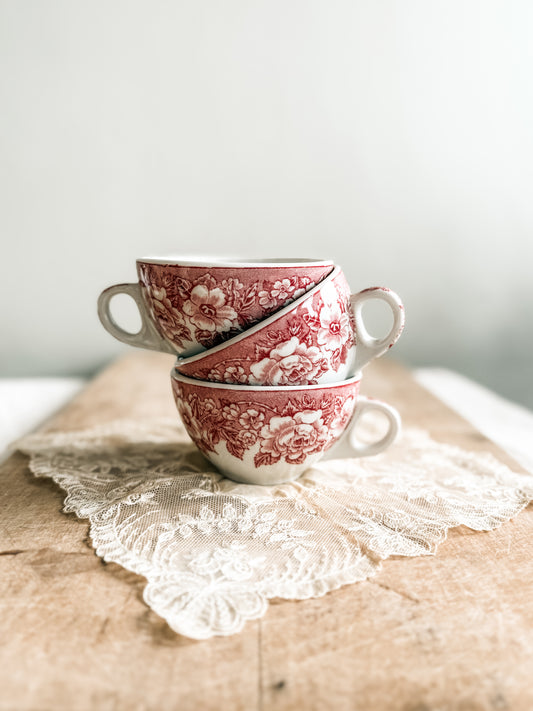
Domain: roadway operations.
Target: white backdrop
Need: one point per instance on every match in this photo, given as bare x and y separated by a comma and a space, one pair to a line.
395, 136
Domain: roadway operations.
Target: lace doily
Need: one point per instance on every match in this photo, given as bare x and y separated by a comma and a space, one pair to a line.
214, 552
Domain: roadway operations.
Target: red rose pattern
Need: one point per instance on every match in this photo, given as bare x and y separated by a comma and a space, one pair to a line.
209, 311
314, 338
294, 438
305, 424
289, 363
335, 328
170, 320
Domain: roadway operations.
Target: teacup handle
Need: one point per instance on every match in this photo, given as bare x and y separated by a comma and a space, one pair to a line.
368, 347
349, 446
148, 336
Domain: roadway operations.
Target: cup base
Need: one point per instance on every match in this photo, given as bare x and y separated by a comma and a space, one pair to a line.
269, 475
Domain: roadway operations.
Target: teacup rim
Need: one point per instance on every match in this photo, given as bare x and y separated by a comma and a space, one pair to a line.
217, 262
176, 375
265, 323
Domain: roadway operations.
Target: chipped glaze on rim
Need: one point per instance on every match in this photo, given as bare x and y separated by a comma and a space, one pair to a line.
265, 323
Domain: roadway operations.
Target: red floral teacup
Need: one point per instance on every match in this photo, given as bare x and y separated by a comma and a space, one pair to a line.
187, 306
319, 338
267, 436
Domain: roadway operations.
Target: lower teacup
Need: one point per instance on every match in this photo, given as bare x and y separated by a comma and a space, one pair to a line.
259, 435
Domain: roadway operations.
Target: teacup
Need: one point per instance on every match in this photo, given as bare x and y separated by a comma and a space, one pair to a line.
187, 306
258, 435
319, 338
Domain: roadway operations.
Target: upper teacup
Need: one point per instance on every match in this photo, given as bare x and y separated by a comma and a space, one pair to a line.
319, 338
189, 305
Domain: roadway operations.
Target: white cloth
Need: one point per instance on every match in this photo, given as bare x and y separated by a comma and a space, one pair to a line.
215, 552
507, 424
26, 402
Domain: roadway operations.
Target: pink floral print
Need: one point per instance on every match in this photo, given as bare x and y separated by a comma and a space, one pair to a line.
191, 423
297, 349
170, 320
252, 419
283, 291
288, 432
232, 374
208, 311
290, 363
334, 329
340, 420
294, 438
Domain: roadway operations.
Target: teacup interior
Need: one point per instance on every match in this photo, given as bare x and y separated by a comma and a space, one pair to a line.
218, 261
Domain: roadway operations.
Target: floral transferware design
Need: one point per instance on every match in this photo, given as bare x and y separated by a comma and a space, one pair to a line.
290, 362
315, 338
277, 429
208, 310
170, 320
214, 552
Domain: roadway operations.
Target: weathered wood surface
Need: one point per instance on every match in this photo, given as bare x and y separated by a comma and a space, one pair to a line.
440, 633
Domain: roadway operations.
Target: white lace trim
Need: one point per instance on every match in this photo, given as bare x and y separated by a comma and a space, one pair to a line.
214, 552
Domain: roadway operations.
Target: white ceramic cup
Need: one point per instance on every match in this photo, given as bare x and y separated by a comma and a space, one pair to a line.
187, 305
258, 435
319, 338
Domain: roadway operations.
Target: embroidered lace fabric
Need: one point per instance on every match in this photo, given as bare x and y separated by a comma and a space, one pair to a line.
214, 552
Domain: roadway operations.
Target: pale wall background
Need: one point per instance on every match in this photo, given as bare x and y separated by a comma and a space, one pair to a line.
395, 136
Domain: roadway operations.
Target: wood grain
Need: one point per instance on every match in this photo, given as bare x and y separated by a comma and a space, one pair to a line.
454, 631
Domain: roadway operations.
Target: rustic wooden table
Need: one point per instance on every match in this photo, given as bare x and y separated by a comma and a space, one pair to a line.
454, 631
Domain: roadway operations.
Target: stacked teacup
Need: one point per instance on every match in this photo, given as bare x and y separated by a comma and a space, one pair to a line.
269, 358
